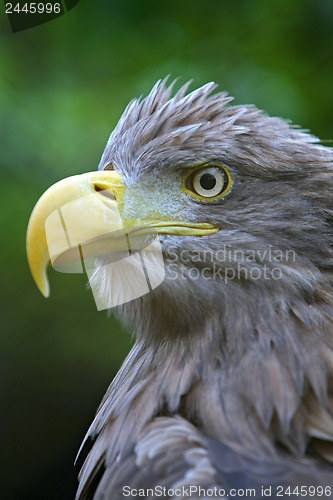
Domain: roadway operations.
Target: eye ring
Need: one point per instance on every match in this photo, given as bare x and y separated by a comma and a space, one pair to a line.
210, 182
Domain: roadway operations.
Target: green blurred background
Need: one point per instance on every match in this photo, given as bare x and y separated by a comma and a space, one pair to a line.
63, 85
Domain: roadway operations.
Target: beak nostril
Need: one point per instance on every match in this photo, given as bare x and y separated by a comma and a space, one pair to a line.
104, 190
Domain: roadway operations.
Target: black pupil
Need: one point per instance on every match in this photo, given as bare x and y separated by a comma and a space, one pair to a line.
207, 181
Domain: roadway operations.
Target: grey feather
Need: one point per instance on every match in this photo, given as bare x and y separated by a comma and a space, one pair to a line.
229, 383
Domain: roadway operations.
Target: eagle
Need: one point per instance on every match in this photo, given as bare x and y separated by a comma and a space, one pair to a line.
228, 389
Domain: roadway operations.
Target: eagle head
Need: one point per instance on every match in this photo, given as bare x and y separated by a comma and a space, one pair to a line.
227, 214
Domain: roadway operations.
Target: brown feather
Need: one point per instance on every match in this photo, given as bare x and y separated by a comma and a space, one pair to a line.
230, 380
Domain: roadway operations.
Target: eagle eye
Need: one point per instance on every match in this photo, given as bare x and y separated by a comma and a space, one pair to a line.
208, 182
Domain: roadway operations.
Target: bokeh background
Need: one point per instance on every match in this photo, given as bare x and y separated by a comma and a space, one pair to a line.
63, 85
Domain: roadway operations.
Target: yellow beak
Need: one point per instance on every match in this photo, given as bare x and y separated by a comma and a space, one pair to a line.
78, 217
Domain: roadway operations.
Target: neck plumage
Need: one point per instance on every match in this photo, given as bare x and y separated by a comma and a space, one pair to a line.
250, 399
